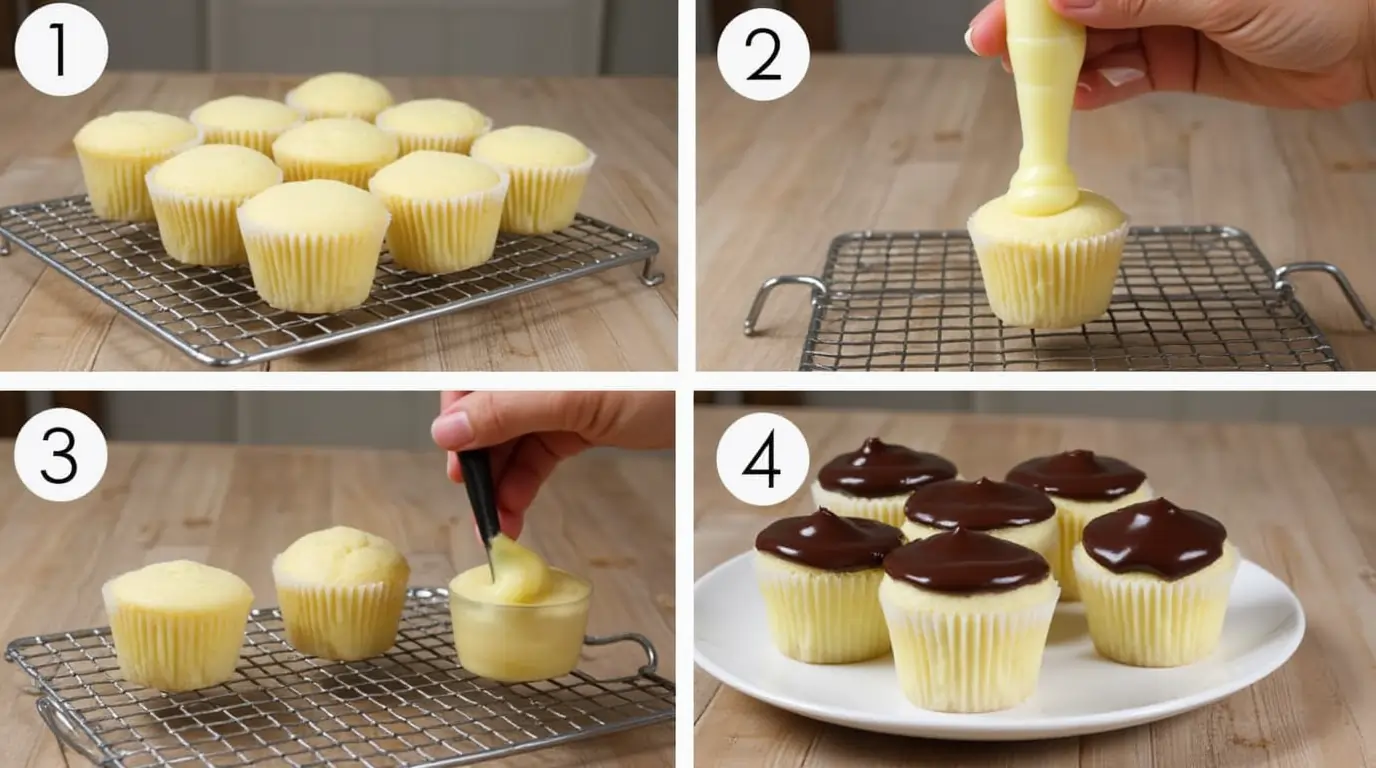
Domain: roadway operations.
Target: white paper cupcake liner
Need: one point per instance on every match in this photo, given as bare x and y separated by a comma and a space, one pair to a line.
201, 231
819, 617
448, 234
116, 183
312, 274
340, 623
259, 140
458, 143
176, 651
1049, 285
544, 200
358, 174
886, 509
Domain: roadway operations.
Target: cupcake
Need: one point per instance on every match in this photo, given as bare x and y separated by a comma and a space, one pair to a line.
1155, 579
1010, 512
248, 121
874, 482
340, 148
549, 171
443, 125
118, 150
339, 94
342, 592
446, 210
968, 615
196, 196
818, 575
1083, 486
313, 246
177, 626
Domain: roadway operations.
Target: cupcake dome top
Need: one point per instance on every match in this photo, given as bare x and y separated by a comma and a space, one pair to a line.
984, 505
879, 469
337, 140
1093, 216
341, 556
963, 562
1080, 475
527, 145
829, 542
217, 170
136, 132
433, 116
1157, 538
314, 207
249, 113
340, 94
435, 175
178, 585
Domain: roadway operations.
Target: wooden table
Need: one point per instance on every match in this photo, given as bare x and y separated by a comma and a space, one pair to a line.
1296, 500
609, 321
882, 142
237, 507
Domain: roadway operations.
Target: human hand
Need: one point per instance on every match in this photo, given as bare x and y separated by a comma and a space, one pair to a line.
529, 433
1308, 54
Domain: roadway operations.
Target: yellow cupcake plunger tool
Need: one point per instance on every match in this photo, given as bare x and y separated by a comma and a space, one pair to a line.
1047, 52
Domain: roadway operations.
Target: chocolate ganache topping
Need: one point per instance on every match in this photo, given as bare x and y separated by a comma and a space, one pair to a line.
879, 470
1155, 537
965, 562
827, 541
1079, 475
983, 505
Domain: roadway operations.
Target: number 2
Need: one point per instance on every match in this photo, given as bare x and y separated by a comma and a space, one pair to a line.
760, 74
66, 453
769, 471
60, 72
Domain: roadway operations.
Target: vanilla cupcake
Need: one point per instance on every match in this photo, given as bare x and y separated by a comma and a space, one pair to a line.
342, 592
1083, 486
549, 171
340, 148
1155, 580
313, 246
968, 616
443, 125
339, 94
247, 121
196, 196
818, 575
446, 210
177, 626
118, 150
874, 482
1010, 512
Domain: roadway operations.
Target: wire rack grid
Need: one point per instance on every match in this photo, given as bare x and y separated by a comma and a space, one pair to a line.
1187, 298
216, 317
414, 707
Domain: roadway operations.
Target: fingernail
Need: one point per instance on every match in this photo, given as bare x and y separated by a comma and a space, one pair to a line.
1078, 5
1083, 86
969, 41
1121, 76
1006, 66
452, 431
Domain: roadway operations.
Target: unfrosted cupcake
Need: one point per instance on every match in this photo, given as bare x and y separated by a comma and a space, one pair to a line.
1083, 486
443, 125
177, 626
342, 592
968, 616
1155, 579
248, 121
819, 575
446, 210
339, 94
549, 171
874, 482
118, 150
313, 246
196, 196
343, 149
1010, 512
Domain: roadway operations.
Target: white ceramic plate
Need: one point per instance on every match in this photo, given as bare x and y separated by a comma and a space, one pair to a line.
1079, 692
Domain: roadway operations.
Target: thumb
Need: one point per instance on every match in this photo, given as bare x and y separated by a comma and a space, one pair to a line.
1204, 15
485, 419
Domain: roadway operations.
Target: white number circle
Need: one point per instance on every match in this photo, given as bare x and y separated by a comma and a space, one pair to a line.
762, 459
61, 49
763, 54
60, 454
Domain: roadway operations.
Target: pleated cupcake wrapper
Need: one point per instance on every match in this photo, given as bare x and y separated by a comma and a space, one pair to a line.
448, 234
1154, 622
544, 200
316, 114
199, 230
968, 662
258, 140
358, 174
1050, 285
887, 509
176, 651
341, 623
821, 617
116, 183
309, 273
1047, 546
458, 143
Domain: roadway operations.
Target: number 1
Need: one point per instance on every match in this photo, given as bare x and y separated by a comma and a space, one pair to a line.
769, 470
58, 27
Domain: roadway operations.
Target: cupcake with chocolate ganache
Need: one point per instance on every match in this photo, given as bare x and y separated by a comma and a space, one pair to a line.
819, 576
1010, 512
1155, 580
874, 481
1083, 486
968, 616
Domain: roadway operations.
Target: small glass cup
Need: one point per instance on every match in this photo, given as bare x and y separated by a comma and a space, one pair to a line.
520, 643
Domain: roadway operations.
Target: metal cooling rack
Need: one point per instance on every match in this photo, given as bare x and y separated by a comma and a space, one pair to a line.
414, 707
216, 317
1187, 298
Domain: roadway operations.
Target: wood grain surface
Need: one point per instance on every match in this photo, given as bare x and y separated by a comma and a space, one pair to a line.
609, 321
604, 515
1296, 500
904, 143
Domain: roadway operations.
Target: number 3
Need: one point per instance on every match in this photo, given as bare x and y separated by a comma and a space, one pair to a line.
760, 73
64, 453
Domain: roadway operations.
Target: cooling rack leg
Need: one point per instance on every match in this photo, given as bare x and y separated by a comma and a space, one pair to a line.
819, 292
649, 275
1283, 284
4, 246
651, 665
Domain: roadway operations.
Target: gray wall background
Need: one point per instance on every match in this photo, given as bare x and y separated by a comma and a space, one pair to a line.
882, 26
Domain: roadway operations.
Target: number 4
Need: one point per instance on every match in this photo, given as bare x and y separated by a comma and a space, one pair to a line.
769, 471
